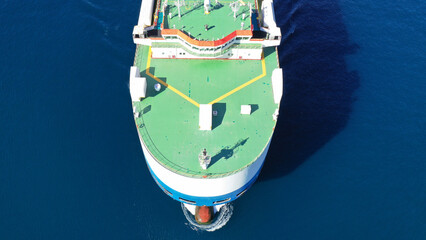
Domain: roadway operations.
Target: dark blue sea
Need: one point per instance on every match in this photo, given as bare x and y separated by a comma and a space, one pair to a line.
348, 159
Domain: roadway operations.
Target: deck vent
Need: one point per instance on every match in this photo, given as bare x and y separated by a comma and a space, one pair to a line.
157, 87
187, 201
222, 201
246, 109
205, 119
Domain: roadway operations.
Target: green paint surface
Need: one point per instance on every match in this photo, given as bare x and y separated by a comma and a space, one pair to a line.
168, 123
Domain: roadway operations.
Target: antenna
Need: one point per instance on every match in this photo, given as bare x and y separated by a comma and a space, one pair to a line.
164, 6
235, 6
178, 4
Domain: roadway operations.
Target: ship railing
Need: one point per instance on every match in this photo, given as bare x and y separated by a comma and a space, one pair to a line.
136, 55
210, 53
184, 36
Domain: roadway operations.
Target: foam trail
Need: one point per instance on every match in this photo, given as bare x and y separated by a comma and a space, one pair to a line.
93, 5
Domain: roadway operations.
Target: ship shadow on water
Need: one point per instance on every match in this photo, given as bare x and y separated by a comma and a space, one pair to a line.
318, 86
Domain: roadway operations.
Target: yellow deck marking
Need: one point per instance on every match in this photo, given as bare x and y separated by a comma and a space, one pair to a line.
148, 64
243, 85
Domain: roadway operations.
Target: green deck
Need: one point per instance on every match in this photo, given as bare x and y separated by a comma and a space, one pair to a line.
220, 21
168, 123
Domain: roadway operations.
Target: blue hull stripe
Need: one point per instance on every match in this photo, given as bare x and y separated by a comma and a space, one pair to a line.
208, 201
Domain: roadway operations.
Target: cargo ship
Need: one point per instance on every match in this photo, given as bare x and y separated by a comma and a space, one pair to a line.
206, 87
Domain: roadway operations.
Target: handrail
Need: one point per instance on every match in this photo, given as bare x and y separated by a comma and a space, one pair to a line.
201, 43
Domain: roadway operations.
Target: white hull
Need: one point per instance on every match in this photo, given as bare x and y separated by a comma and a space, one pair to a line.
204, 191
